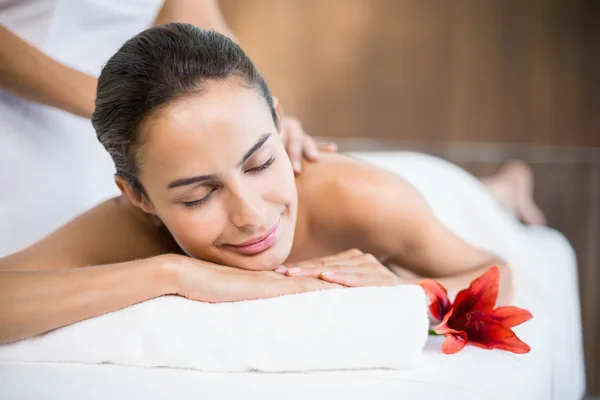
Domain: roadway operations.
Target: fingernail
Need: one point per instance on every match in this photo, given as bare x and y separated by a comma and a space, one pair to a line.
294, 270
297, 167
328, 273
281, 269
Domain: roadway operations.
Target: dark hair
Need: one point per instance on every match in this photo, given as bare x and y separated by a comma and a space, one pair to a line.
158, 66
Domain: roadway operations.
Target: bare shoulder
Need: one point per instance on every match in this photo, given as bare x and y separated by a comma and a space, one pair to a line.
338, 177
380, 213
112, 232
355, 197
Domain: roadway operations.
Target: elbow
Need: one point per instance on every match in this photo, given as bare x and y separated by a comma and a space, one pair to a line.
9, 263
8, 333
506, 287
9, 337
5, 338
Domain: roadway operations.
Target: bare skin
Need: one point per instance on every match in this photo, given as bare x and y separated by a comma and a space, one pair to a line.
512, 186
115, 233
115, 255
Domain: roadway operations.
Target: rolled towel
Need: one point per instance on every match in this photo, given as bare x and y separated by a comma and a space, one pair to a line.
353, 328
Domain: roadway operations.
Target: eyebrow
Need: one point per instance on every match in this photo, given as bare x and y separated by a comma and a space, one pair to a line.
203, 178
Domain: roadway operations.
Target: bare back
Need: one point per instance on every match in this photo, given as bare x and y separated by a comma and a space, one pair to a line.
343, 203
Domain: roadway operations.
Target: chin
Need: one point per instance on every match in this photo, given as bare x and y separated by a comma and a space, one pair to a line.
266, 260
269, 259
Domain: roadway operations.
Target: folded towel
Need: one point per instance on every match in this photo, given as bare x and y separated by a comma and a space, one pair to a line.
351, 328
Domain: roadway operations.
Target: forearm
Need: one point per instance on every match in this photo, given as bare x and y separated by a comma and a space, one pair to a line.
458, 282
34, 302
203, 13
32, 75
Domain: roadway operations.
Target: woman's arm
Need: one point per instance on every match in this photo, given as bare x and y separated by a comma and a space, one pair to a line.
382, 214
109, 258
110, 233
405, 231
33, 302
40, 290
32, 75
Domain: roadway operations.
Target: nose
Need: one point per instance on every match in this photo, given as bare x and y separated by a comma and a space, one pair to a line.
247, 209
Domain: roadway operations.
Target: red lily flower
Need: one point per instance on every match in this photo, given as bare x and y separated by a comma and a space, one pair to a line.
472, 317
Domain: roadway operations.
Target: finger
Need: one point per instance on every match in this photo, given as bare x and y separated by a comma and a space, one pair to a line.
281, 269
355, 279
348, 260
315, 272
349, 279
328, 147
350, 253
294, 140
310, 148
348, 257
294, 149
346, 254
405, 275
324, 261
283, 136
350, 268
303, 285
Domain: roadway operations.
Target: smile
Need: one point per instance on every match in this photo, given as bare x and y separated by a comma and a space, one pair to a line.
259, 244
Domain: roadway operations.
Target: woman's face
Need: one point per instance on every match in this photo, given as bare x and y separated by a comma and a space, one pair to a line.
217, 175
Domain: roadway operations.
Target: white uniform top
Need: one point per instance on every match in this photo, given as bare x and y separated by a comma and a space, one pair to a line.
52, 166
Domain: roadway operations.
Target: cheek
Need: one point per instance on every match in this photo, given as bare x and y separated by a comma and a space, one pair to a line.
195, 231
281, 184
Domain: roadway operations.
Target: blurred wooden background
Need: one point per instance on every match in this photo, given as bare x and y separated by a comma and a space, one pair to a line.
481, 81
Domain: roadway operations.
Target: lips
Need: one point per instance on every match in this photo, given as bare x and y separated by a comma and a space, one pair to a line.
260, 244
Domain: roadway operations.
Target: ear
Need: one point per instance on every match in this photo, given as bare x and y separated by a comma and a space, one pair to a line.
135, 198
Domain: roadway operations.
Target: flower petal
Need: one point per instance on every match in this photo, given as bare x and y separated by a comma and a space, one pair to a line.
444, 323
443, 328
480, 296
439, 304
452, 344
490, 334
518, 347
510, 316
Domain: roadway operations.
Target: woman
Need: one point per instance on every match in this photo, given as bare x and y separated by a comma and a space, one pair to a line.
211, 209
51, 53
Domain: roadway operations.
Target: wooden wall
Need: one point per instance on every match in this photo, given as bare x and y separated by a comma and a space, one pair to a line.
506, 73
501, 71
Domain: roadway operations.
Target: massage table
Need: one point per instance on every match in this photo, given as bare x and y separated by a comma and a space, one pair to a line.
545, 277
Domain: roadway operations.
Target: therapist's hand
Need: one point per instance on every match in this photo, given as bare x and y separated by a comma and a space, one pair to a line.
299, 144
212, 283
349, 268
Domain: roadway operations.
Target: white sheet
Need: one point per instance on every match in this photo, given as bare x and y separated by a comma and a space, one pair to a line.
546, 283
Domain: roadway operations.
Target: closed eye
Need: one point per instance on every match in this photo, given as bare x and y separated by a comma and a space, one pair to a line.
266, 165
197, 203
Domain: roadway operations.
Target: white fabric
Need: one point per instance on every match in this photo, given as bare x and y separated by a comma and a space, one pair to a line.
377, 327
52, 167
535, 254
546, 283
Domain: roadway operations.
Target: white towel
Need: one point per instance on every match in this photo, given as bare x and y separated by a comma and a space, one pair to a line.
350, 328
